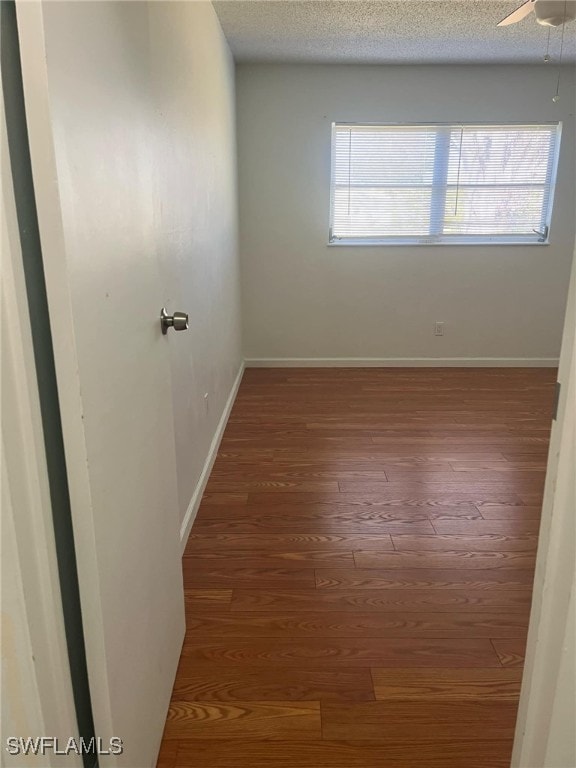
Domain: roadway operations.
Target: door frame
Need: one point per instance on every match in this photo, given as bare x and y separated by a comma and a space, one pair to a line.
37, 682
550, 633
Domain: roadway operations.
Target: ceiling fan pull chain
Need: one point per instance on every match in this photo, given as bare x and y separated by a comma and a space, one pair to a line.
547, 55
556, 96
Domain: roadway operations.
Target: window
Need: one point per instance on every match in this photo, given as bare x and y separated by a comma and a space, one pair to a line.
441, 184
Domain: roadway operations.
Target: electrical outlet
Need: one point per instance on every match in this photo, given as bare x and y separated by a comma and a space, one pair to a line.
438, 328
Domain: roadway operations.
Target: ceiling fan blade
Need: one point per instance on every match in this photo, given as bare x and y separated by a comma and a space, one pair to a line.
518, 14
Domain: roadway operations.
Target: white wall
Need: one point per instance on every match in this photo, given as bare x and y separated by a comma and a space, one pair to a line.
193, 79
303, 299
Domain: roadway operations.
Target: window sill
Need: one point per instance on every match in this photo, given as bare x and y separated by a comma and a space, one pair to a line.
434, 244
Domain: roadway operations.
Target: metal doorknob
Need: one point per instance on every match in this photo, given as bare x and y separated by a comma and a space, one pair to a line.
178, 321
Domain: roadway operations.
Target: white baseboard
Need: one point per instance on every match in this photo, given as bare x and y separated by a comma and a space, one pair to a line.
402, 362
208, 464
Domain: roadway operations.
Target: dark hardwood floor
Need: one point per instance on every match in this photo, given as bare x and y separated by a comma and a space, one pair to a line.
359, 576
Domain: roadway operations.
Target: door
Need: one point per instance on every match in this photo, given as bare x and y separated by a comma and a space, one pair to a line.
91, 129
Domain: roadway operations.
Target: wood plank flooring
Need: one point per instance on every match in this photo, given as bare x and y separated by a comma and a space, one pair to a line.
359, 577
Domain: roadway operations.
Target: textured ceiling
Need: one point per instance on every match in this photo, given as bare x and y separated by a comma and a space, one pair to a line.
386, 31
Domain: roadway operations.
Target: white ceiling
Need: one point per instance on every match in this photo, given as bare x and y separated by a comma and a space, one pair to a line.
386, 31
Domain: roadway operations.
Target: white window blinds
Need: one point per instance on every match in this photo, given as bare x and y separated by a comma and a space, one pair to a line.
396, 184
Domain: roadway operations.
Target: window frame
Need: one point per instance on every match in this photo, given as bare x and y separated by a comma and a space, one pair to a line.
456, 240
